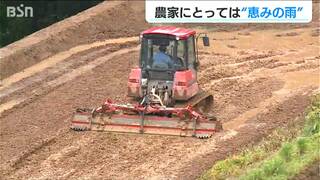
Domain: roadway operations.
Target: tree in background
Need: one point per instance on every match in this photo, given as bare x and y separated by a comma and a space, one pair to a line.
45, 13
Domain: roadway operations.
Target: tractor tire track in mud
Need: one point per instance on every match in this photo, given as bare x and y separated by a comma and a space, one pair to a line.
255, 91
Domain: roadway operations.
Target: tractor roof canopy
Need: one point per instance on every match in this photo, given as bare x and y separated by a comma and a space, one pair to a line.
181, 33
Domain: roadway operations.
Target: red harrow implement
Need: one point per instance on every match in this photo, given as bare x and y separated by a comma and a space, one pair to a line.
149, 119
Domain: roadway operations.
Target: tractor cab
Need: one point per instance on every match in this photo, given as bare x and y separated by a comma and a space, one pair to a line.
168, 64
167, 49
162, 52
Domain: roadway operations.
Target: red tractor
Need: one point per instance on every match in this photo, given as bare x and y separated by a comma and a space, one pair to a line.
170, 100
167, 82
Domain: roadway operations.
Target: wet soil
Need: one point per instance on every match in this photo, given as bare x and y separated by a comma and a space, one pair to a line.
257, 87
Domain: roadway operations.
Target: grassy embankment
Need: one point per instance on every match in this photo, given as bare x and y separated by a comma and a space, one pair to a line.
281, 155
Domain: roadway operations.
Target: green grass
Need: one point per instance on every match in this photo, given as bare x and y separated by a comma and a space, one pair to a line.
281, 155
287, 162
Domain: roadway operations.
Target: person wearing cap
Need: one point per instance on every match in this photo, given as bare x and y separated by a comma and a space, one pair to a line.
161, 59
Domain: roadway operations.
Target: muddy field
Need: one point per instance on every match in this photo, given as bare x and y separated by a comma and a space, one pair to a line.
261, 78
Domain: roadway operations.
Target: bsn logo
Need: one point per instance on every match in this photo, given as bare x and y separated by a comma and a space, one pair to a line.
19, 11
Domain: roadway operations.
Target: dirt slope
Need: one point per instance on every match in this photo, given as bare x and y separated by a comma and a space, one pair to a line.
252, 87
261, 80
112, 19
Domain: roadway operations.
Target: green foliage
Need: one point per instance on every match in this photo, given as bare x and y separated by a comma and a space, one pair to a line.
302, 144
286, 151
45, 13
280, 156
256, 175
313, 117
274, 166
278, 167
294, 155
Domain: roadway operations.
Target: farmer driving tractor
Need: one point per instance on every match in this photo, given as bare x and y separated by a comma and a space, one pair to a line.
161, 59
